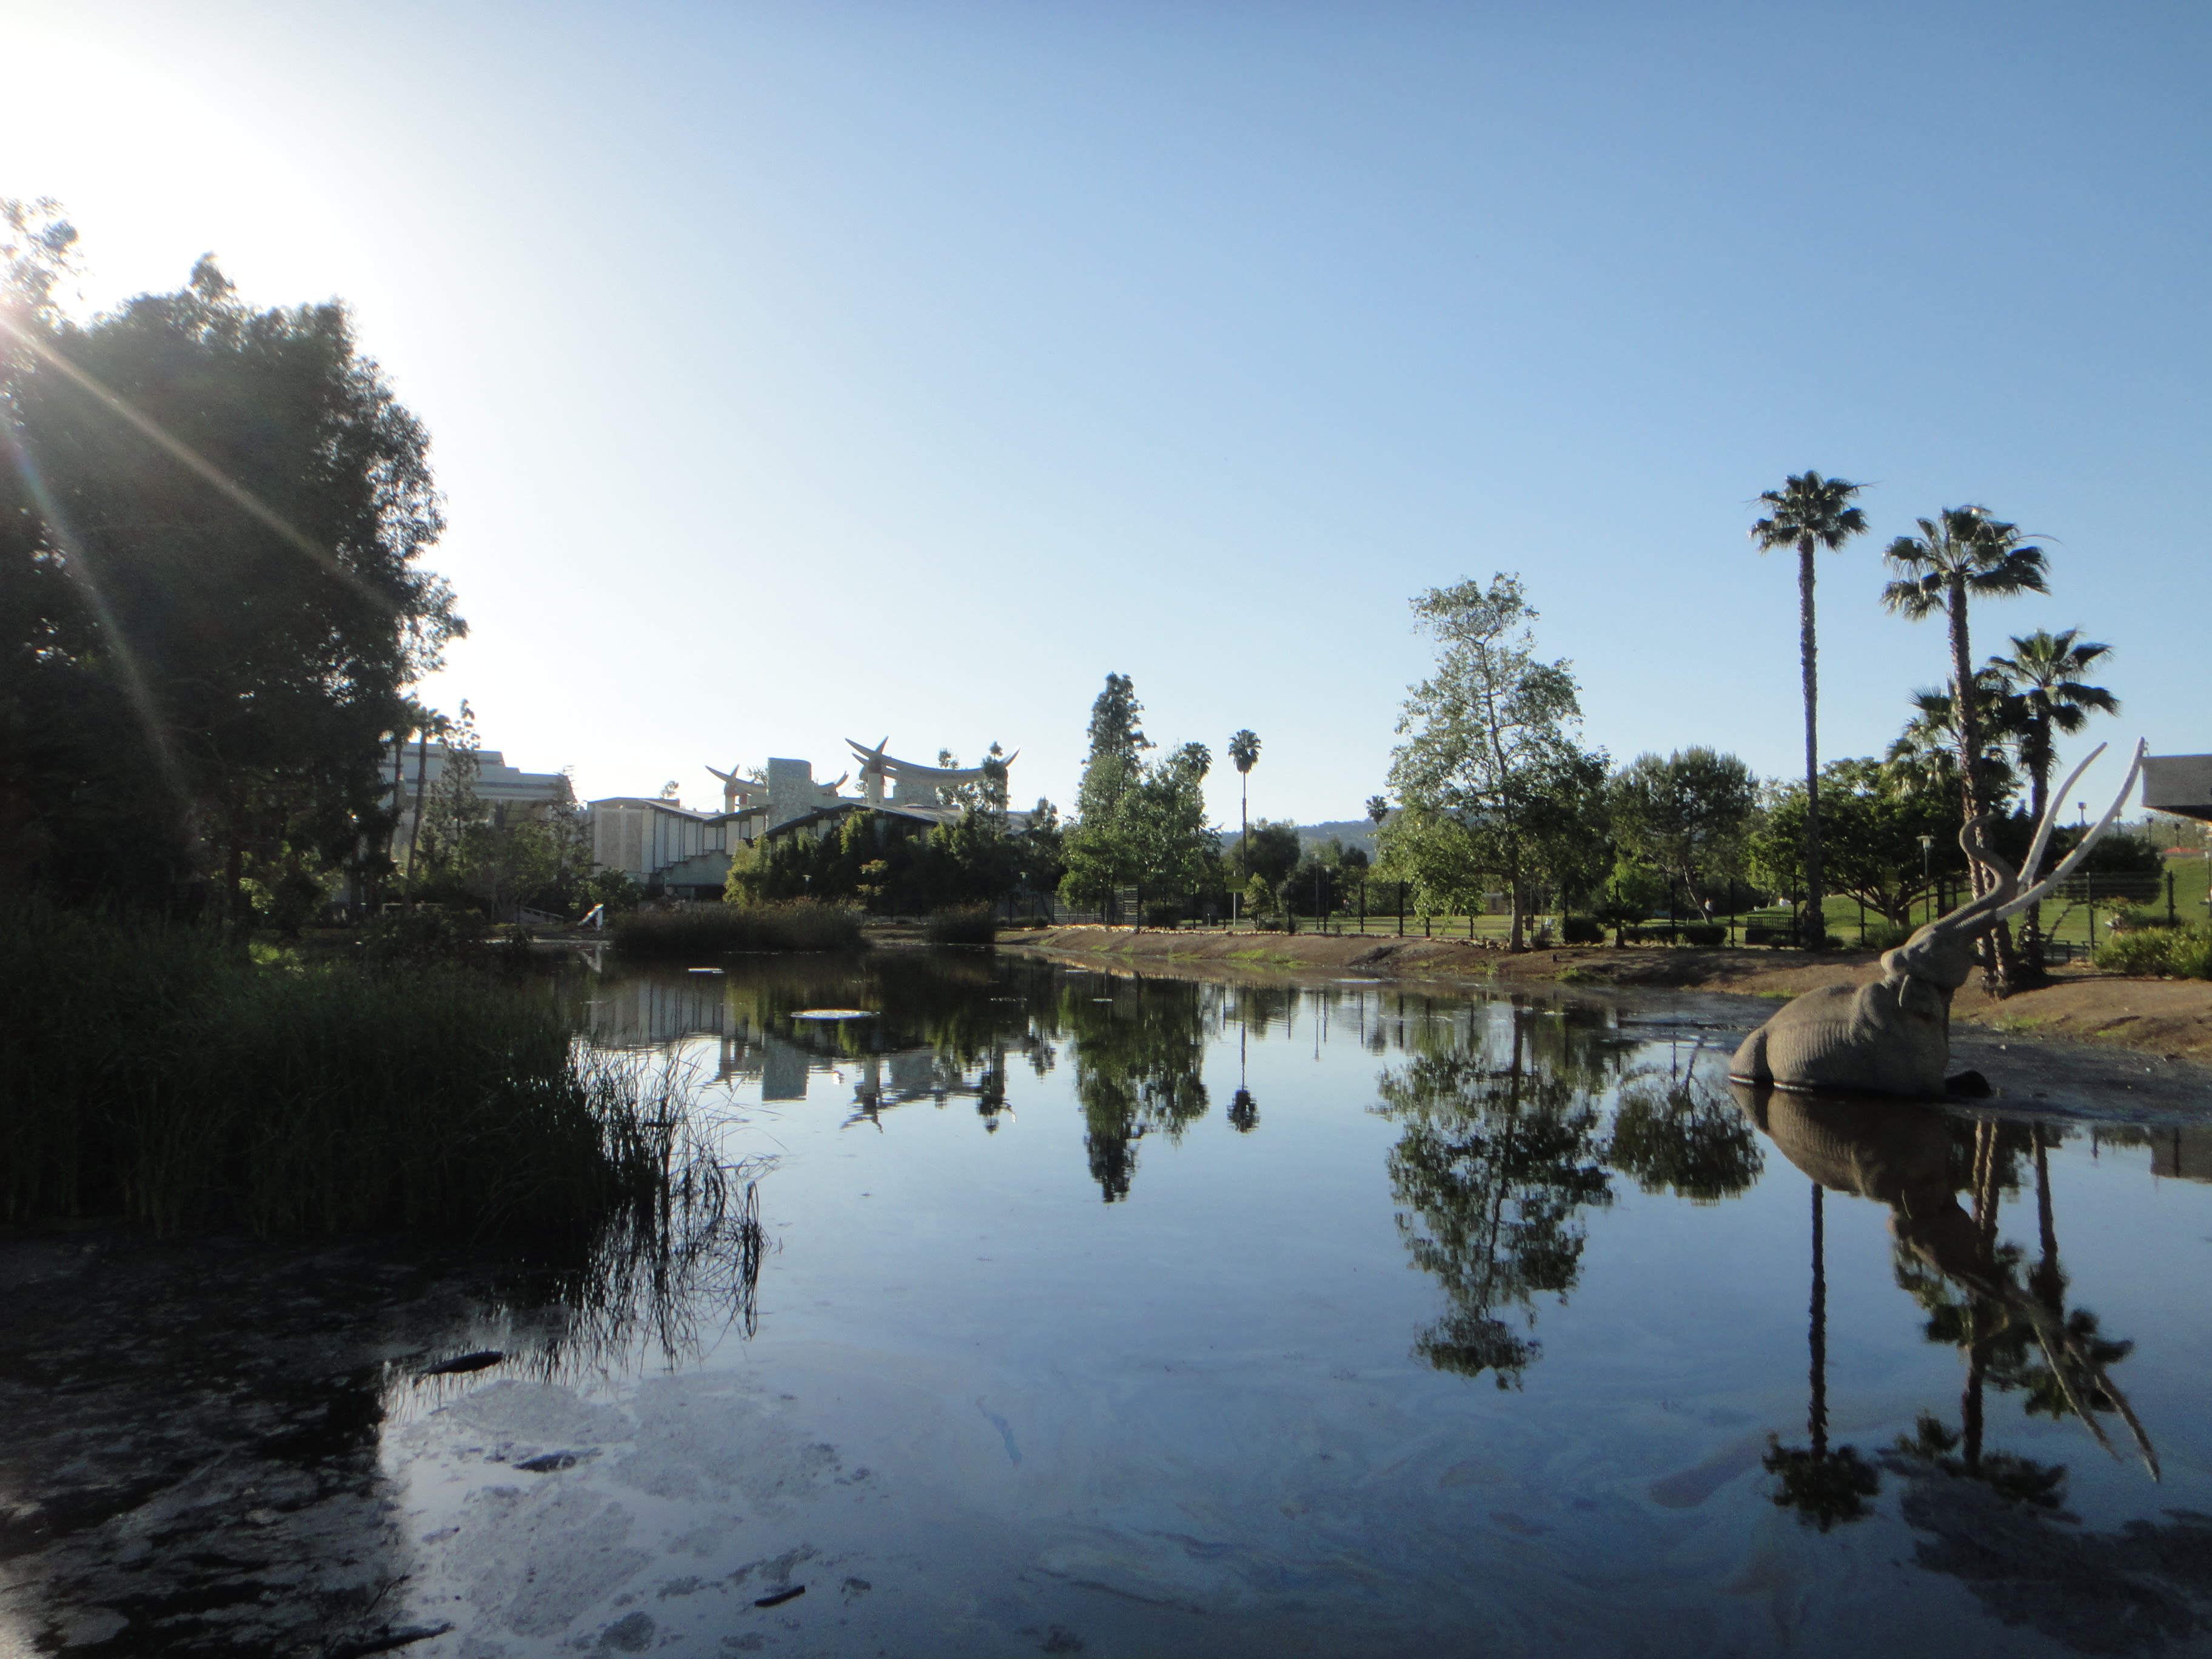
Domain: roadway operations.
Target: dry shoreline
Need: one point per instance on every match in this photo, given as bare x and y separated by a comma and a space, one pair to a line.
2171, 1018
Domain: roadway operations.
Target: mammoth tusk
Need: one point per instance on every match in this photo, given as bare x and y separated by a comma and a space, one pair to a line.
2042, 841
2073, 858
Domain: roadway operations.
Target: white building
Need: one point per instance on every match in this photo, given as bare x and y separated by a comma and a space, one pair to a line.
667, 848
412, 773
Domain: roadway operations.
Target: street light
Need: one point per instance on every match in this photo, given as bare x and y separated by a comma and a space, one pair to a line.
1927, 845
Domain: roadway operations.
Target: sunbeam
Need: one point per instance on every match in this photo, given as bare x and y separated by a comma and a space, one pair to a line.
236, 494
77, 565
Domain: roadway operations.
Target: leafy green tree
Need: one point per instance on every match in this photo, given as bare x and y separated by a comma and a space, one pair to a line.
1877, 815
1631, 893
1176, 847
1686, 815
1492, 780
209, 595
1272, 851
1962, 553
1098, 851
1807, 513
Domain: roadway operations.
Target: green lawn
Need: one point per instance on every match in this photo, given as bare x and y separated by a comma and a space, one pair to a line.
2070, 923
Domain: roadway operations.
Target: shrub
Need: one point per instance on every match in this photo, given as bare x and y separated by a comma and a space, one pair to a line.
426, 933
1583, 930
722, 929
2183, 952
961, 924
2137, 918
1163, 916
1704, 933
1886, 935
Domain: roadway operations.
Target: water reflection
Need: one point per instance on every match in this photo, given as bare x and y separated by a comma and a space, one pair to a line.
2012, 1326
1502, 1149
1514, 1128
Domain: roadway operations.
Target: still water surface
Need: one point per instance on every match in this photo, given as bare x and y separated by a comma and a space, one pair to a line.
1128, 1316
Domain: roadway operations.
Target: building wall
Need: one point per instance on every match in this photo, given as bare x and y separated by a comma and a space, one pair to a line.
2179, 784
657, 843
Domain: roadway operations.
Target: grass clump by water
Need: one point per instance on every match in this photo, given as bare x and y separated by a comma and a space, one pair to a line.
147, 1072
719, 929
2181, 953
961, 924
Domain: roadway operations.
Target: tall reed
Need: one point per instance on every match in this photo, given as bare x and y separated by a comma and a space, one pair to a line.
147, 1070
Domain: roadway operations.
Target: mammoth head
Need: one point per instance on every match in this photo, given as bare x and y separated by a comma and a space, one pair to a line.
1942, 952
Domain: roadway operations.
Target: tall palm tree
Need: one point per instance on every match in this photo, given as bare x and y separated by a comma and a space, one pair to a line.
1244, 750
1958, 554
1809, 512
2045, 676
1961, 552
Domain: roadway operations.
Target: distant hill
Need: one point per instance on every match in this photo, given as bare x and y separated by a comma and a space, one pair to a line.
1353, 832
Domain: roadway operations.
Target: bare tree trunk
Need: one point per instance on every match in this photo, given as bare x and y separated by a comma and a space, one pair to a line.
415, 835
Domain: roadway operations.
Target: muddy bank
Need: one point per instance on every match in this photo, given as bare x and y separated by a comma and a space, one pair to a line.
2169, 1019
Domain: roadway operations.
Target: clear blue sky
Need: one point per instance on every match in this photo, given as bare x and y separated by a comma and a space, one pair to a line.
812, 370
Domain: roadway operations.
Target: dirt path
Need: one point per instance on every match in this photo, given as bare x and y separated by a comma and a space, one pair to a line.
2169, 1017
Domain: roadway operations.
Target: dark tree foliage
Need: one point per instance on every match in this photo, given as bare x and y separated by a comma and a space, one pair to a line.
210, 519
1272, 851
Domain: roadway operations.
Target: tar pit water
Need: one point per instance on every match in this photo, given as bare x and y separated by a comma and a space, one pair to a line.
1062, 1311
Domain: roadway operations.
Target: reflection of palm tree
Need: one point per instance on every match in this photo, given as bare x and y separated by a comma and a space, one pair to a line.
1902, 1158
1823, 1487
1244, 1110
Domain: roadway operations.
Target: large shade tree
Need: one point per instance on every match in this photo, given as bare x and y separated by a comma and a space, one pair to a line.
1494, 782
1807, 514
210, 603
1686, 813
1961, 554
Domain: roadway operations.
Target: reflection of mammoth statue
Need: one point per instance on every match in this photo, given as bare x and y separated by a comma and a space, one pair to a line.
1898, 1156
1902, 1156
1893, 1036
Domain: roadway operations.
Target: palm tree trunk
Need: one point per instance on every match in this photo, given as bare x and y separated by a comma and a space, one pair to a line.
1816, 915
2001, 969
2033, 970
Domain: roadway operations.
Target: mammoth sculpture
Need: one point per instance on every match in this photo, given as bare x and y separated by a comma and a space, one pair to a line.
1893, 1036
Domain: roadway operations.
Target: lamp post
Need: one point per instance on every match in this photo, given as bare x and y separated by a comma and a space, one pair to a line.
1927, 846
